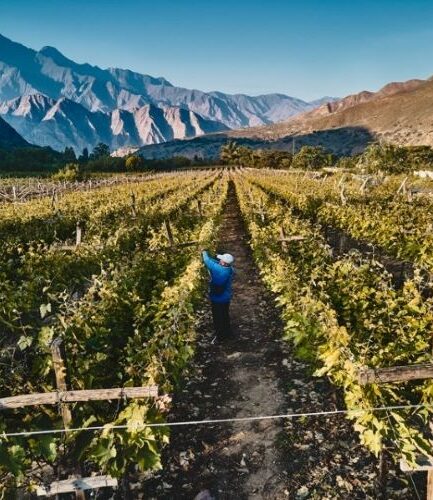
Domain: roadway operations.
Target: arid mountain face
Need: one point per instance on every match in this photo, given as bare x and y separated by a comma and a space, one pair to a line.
400, 113
72, 104
63, 122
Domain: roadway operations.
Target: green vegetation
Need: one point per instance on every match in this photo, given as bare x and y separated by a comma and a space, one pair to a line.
343, 313
385, 158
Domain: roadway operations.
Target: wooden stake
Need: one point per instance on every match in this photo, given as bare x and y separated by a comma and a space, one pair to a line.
342, 196
60, 372
383, 473
429, 485
64, 396
77, 484
133, 206
341, 181
395, 374
169, 232
53, 200
283, 239
402, 187
78, 234
199, 208
362, 188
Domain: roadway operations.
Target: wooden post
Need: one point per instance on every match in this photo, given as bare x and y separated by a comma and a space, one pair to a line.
363, 185
169, 232
402, 187
342, 196
53, 200
429, 485
403, 374
199, 208
283, 239
341, 181
383, 473
133, 206
14, 193
77, 484
60, 372
52, 398
395, 374
78, 234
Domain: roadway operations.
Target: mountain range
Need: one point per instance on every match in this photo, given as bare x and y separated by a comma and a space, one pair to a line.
53, 101
399, 113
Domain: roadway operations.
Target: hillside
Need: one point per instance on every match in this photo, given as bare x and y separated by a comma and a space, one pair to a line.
9, 138
400, 113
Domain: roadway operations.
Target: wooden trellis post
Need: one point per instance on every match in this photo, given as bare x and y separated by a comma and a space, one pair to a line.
341, 181
402, 187
283, 239
403, 374
60, 373
53, 200
342, 196
133, 205
169, 232
78, 234
363, 185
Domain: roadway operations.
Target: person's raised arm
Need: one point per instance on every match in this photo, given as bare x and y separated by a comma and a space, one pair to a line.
208, 261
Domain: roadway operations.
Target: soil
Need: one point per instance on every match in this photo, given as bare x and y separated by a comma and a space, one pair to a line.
252, 374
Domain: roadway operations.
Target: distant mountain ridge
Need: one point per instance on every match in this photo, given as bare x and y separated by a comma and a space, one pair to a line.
399, 113
63, 122
47, 72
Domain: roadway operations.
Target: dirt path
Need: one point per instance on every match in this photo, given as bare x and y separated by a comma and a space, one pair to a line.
255, 374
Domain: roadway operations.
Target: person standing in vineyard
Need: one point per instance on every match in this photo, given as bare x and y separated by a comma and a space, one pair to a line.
220, 291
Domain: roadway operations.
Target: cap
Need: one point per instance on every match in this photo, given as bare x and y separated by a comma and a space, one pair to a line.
226, 257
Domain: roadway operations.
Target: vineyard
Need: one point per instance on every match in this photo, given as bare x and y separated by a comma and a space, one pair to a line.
102, 288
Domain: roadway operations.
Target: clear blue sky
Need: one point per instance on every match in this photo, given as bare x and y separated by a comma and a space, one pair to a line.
306, 48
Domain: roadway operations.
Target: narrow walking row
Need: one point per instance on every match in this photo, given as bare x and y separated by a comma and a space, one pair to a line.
254, 374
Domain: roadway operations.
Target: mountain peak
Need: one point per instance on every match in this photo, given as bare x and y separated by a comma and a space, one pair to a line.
50, 51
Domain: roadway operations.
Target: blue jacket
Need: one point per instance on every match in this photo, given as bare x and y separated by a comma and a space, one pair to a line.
220, 275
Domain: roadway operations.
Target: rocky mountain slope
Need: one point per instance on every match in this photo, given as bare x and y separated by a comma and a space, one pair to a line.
9, 138
59, 123
399, 113
24, 72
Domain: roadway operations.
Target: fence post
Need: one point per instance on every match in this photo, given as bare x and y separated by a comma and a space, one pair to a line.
169, 232
283, 239
133, 206
78, 234
60, 373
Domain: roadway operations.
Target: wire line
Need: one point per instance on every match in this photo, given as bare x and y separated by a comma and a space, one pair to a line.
109, 427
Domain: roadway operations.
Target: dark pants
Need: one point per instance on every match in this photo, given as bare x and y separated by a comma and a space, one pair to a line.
221, 320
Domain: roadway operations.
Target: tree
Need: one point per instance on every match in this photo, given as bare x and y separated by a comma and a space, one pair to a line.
384, 158
134, 163
70, 172
229, 153
69, 155
100, 151
311, 158
84, 158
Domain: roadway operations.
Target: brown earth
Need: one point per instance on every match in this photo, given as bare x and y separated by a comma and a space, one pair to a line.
255, 374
